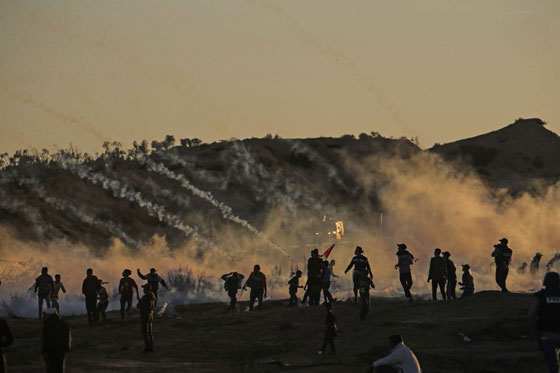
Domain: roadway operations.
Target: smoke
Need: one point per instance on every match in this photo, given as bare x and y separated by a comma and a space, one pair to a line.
226, 211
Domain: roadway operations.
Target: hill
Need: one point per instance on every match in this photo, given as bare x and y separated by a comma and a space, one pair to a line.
202, 338
519, 157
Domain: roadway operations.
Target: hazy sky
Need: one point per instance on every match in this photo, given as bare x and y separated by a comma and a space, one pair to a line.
84, 71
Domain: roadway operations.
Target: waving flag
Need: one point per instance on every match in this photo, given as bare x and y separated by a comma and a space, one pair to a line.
327, 252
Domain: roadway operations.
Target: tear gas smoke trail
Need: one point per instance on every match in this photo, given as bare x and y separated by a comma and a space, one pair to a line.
337, 57
123, 191
65, 118
227, 212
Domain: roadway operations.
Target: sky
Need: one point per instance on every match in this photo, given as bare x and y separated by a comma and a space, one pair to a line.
91, 71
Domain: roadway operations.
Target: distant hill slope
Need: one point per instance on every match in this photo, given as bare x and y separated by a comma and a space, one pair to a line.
188, 192
514, 157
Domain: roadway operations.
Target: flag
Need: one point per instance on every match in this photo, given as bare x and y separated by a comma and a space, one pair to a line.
327, 252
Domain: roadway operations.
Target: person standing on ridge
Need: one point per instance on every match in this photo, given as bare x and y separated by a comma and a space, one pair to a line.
126, 290
146, 306
44, 288
153, 280
405, 260
361, 265
232, 285
502, 256
90, 287
437, 274
467, 285
57, 287
451, 276
294, 286
257, 283
544, 317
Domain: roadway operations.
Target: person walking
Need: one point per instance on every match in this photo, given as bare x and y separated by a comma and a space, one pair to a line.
103, 301
44, 287
90, 288
437, 274
127, 285
405, 260
330, 330
146, 306
232, 284
57, 287
326, 282
257, 283
502, 256
451, 276
314, 273
535, 264
292, 290
361, 265
544, 317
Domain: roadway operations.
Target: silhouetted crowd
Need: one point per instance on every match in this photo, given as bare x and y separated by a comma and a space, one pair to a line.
544, 312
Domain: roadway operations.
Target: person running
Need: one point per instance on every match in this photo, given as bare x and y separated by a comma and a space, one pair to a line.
103, 301
57, 341
257, 283
232, 284
127, 285
330, 332
437, 274
154, 280
326, 282
451, 276
6, 339
502, 256
146, 306
467, 285
405, 260
544, 317
90, 287
57, 287
361, 265
44, 287
535, 263
401, 357
294, 286
314, 273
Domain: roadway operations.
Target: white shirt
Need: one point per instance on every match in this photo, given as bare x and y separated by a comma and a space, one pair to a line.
401, 357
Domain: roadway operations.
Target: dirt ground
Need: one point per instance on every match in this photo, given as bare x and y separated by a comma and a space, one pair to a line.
202, 338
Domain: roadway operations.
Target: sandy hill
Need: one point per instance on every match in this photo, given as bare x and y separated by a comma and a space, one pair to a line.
518, 156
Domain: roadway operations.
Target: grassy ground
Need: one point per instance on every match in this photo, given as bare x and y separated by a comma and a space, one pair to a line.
201, 338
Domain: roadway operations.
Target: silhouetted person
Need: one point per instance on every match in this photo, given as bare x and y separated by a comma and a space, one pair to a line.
294, 286
232, 285
535, 263
6, 339
451, 276
90, 287
57, 287
467, 285
401, 357
330, 331
154, 280
502, 256
126, 289
146, 306
553, 263
361, 265
326, 281
57, 341
437, 274
405, 260
103, 301
257, 283
364, 284
313, 284
544, 316
44, 287
522, 269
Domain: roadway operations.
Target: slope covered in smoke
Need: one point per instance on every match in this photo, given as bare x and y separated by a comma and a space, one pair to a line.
521, 156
